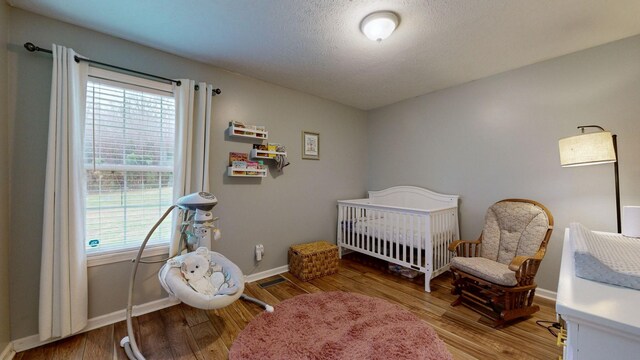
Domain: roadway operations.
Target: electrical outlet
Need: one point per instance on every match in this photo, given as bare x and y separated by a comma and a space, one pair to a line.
259, 252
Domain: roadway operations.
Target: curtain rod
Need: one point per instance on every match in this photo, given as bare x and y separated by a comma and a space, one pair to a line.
32, 48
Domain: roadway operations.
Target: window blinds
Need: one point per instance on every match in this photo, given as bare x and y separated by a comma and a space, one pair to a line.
129, 147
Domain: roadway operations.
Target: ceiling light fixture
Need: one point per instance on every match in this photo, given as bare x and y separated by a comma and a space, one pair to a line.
379, 25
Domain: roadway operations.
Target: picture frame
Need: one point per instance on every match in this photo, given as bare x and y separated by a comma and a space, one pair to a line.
310, 145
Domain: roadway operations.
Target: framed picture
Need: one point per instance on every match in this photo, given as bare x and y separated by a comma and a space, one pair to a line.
310, 145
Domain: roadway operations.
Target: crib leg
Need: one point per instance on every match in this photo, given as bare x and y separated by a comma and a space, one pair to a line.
263, 304
427, 282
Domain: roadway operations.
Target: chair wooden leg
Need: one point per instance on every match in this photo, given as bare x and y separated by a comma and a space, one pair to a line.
455, 281
498, 305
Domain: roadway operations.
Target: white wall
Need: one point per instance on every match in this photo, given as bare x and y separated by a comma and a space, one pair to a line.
498, 137
277, 211
4, 182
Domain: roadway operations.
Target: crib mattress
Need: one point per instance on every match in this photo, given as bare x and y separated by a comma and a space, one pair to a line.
607, 258
396, 231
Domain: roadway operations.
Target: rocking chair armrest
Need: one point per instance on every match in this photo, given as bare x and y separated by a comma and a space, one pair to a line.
458, 246
517, 262
527, 263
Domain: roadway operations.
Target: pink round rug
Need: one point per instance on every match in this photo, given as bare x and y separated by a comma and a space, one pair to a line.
337, 325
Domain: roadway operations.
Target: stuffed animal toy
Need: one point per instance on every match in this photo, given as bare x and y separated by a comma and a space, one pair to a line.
205, 276
196, 270
217, 277
221, 280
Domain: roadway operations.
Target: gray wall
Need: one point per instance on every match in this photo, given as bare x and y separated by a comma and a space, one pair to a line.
498, 137
282, 209
4, 182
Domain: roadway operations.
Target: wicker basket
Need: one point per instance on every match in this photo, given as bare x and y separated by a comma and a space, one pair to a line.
312, 260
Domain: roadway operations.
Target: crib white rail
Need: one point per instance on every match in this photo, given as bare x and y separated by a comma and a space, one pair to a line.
413, 238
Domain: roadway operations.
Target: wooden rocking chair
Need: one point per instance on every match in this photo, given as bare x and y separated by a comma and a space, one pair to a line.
494, 275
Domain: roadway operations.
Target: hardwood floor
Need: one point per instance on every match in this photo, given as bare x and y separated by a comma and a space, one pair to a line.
183, 332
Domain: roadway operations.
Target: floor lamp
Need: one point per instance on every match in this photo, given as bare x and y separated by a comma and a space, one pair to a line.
594, 148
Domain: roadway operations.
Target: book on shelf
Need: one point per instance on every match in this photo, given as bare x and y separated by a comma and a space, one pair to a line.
252, 165
238, 156
239, 164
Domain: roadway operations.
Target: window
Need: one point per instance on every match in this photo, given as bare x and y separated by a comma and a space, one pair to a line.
128, 157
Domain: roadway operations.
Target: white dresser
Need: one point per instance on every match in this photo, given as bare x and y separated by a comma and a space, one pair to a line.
602, 320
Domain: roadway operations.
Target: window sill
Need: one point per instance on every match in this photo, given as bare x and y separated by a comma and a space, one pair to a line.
125, 255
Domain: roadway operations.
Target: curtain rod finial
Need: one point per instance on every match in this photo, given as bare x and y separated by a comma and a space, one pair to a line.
30, 47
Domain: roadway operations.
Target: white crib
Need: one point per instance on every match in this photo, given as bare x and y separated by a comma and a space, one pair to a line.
405, 225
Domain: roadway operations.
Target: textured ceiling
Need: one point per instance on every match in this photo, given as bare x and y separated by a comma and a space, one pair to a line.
316, 46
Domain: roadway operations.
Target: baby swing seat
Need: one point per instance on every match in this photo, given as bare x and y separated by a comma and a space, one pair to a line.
203, 279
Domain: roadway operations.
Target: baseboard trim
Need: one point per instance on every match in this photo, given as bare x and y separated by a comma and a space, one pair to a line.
33, 341
266, 274
546, 294
8, 353
138, 310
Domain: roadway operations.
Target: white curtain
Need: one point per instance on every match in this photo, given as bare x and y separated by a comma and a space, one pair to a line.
63, 274
191, 159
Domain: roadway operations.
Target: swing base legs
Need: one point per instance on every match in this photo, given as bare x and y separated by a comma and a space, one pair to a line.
262, 304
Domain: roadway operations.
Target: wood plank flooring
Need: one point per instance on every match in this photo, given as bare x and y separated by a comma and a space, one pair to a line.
183, 332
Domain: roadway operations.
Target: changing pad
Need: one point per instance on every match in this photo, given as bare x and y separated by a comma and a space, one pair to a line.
605, 257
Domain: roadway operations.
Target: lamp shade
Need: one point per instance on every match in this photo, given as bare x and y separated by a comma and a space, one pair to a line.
587, 149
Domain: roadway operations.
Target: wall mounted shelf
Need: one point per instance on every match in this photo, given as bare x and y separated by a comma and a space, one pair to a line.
247, 132
264, 154
245, 172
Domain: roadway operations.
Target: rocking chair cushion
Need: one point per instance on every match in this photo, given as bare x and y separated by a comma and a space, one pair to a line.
512, 229
486, 269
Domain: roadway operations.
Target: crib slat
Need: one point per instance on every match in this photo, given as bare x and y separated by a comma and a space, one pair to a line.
439, 229
354, 233
411, 240
449, 237
388, 218
404, 238
445, 238
394, 236
443, 241
367, 233
354, 218
436, 230
338, 230
378, 234
353, 224
349, 224
420, 225
356, 236
383, 233
362, 237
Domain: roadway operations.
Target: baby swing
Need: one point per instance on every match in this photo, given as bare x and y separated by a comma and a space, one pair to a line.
200, 278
